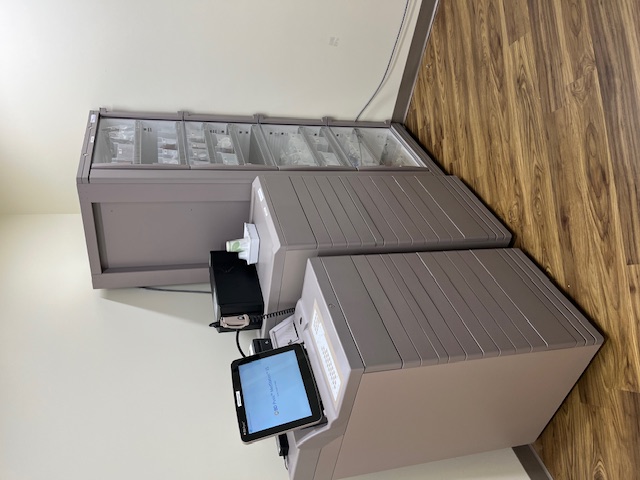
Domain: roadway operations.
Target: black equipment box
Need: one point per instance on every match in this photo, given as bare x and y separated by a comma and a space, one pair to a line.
235, 289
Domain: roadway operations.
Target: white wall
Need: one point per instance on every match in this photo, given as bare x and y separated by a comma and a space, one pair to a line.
128, 384
60, 59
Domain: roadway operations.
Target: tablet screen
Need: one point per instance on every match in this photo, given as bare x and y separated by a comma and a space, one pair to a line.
274, 393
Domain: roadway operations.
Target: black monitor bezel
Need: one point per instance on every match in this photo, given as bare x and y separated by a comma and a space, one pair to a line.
310, 388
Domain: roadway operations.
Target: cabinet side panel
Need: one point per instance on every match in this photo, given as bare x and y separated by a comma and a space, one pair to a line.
89, 225
176, 275
152, 234
417, 415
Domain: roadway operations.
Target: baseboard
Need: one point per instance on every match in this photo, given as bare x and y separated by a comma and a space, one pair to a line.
531, 463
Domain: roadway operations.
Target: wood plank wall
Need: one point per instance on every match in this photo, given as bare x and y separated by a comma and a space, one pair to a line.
536, 106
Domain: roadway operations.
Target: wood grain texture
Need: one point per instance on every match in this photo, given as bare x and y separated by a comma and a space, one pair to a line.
536, 106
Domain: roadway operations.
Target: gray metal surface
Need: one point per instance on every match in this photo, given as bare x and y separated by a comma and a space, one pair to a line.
491, 220
320, 233
289, 214
473, 307
385, 292
472, 227
366, 238
338, 211
86, 154
400, 206
208, 117
434, 307
486, 224
432, 211
541, 298
472, 324
417, 415
449, 318
365, 220
367, 327
105, 113
326, 335
404, 240
338, 239
506, 304
197, 227
576, 318
413, 318
504, 322
437, 375
426, 222
354, 212
537, 314
433, 323
390, 319
379, 225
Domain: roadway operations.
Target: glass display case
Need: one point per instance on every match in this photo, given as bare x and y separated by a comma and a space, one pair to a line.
373, 148
307, 147
132, 143
225, 145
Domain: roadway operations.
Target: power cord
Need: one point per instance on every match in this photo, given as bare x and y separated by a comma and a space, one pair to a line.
239, 322
238, 343
254, 318
393, 52
286, 311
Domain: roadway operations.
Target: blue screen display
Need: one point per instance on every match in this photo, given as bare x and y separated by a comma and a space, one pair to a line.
273, 391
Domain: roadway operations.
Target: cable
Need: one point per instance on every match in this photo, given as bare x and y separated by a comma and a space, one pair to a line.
256, 318
158, 289
393, 52
238, 344
253, 319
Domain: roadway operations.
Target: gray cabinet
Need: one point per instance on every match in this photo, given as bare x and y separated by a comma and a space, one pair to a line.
159, 191
303, 216
424, 356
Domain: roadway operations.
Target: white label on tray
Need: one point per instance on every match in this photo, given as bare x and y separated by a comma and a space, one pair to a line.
266, 211
260, 194
93, 118
325, 353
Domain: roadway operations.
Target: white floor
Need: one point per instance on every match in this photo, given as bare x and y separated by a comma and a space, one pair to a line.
128, 384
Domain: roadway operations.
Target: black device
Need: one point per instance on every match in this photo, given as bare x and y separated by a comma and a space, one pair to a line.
237, 297
282, 444
262, 344
274, 392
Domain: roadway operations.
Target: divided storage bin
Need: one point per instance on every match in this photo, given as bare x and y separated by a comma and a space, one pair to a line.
225, 145
373, 148
294, 147
126, 143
